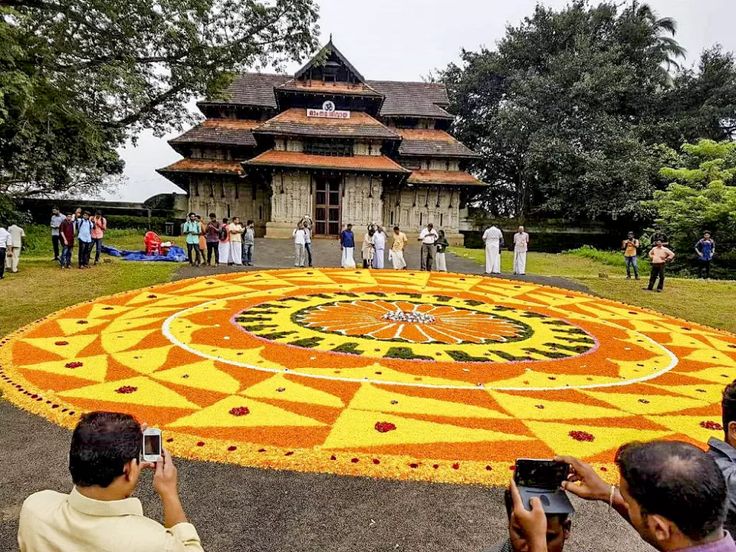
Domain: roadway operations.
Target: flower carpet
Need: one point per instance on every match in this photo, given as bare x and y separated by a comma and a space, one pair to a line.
391, 374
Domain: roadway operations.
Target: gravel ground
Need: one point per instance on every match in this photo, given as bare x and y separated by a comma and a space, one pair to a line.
238, 509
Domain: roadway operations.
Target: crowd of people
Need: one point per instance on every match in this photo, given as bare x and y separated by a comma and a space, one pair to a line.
373, 250
675, 495
226, 242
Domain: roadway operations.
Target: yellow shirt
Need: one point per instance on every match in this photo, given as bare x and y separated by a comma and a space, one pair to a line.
56, 522
399, 242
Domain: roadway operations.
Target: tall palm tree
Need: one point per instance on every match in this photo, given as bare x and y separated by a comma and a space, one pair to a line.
663, 29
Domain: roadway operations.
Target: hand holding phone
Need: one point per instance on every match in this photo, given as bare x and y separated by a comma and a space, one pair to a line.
152, 445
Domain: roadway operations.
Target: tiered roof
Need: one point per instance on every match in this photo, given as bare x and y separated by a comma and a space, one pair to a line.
214, 166
231, 132
450, 178
357, 163
418, 142
294, 122
329, 88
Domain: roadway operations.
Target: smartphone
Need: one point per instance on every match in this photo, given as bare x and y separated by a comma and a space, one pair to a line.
152, 445
540, 474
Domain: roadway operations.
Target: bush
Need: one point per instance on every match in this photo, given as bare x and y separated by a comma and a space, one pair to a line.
157, 224
610, 258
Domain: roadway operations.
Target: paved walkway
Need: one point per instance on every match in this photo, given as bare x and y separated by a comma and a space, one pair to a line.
280, 254
241, 509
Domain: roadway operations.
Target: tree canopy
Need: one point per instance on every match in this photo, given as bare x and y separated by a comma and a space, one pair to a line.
569, 111
80, 77
701, 195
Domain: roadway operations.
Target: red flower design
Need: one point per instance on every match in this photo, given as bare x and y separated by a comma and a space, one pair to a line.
126, 389
240, 411
582, 436
82, 322
61, 343
384, 427
456, 466
713, 426
73, 365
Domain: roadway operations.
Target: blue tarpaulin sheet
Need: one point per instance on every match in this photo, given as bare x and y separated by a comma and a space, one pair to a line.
175, 254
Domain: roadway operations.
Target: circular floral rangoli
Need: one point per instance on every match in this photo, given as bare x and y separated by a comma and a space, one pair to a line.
409, 375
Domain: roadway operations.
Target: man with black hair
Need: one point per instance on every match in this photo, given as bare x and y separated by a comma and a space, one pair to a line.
724, 452
99, 513
671, 492
557, 532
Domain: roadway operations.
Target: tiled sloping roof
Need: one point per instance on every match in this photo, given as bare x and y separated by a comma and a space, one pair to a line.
356, 89
451, 178
235, 132
361, 163
417, 99
327, 51
203, 166
431, 142
294, 122
253, 89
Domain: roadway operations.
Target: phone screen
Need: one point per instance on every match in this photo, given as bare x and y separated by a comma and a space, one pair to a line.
540, 474
152, 445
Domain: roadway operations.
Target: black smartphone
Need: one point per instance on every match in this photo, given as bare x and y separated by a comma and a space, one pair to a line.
540, 474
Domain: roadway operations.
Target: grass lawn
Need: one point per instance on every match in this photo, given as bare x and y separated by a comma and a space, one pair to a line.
41, 287
709, 302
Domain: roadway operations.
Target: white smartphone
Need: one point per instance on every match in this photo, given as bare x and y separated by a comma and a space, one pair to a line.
152, 445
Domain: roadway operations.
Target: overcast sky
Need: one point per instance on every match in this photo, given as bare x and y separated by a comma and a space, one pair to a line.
406, 39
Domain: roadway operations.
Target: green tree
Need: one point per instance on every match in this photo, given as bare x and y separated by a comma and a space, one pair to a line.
701, 195
569, 108
78, 78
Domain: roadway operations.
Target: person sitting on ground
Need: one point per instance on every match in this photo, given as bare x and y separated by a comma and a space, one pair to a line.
671, 492
558, 531
99, 513
724, 452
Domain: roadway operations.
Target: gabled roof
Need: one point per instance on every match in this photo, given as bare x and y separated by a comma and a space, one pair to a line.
357, 163
329, 50
216, 166
229, 132
431, 143
443, 178
337, 88
413, 99
294, 122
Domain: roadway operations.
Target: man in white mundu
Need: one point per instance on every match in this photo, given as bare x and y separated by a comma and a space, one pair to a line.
492, 238
521, 246
235, 229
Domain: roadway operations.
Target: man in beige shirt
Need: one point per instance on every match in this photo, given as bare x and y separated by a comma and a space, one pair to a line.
659, 256
99, 513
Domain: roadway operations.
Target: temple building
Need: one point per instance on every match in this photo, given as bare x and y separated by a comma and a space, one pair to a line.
329, 144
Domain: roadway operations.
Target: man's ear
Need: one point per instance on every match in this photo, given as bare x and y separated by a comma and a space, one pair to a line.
129, 469
731, 432
659, 527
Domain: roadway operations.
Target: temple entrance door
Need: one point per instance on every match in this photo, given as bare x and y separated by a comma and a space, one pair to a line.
327, 206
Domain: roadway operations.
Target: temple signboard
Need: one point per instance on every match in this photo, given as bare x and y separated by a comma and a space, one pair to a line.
328, 111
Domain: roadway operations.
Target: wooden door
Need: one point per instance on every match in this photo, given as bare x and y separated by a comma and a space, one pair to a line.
327, 207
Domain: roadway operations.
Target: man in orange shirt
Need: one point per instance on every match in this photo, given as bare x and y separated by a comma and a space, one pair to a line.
659, 256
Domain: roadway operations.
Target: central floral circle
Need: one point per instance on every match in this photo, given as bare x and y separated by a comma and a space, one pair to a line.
409, 317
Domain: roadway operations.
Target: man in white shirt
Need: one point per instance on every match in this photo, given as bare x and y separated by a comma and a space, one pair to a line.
300, 240
379, 243
6, 247
492, 238
99, 513
13, 258
521, 246
56, 219
235, 232
428, 236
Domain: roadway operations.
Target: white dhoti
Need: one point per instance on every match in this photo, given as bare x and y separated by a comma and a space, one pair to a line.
397, 259
223, 253
440, 262
493, 257
348, 260
378, 258
519, 262
11, 263
236, 253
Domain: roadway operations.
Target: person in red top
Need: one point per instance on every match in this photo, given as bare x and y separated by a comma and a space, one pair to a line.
98, 232
66, 236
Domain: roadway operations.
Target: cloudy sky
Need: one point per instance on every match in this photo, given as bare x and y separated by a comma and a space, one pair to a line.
406, 39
